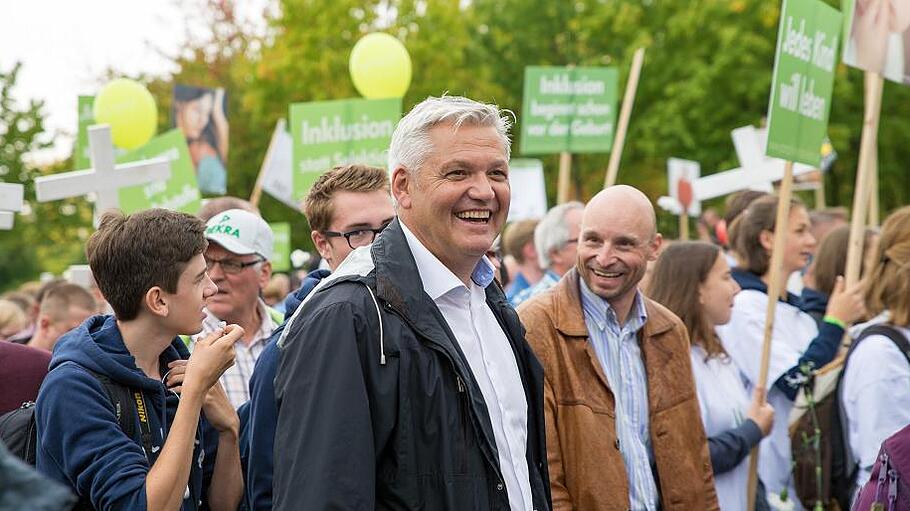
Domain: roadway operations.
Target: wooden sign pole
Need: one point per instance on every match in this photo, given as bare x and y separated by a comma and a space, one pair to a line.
861, 193
776, 288
565, 177
684, 226
628, 100
820, 194
874, 219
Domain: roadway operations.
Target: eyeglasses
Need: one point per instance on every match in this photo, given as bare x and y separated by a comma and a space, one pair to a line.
230, 266
357, 237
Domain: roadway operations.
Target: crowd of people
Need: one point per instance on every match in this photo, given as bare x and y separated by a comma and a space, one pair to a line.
581, 361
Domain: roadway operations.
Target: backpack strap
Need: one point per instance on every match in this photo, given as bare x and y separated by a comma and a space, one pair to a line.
900, 341
129, 403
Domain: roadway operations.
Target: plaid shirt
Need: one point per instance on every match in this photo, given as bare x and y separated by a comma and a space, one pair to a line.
236, 380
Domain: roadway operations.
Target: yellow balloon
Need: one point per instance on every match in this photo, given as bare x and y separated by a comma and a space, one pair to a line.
129, 108
380, 66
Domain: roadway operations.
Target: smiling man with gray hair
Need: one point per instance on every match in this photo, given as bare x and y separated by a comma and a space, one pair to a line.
405, 381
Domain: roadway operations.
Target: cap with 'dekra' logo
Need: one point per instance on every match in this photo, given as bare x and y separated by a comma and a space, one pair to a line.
241, 233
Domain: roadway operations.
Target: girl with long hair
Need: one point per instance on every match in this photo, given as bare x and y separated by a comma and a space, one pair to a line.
693, 280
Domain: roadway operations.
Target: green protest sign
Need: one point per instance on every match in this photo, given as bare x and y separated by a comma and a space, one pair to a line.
281, 254
180, 192
807, 44
86, 118
568, 109
330, 133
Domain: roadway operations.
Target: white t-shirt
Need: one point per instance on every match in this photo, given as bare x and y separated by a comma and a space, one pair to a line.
724, 405
876, 396
743, 337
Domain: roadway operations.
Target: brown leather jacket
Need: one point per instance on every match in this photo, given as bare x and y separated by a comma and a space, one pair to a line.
587, 471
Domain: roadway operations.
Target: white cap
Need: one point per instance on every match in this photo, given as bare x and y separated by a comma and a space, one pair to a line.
241, 233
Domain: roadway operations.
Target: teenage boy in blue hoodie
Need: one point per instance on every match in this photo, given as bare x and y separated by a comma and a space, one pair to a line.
346, 207
150, 268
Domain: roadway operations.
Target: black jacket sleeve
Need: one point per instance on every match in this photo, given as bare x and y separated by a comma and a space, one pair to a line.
324, 443
821, 350
729, 448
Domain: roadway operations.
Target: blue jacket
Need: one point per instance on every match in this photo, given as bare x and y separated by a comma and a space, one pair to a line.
258, 440
814, 303
80, 442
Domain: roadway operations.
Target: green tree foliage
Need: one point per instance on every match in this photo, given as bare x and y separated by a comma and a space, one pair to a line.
48, 236
707, 71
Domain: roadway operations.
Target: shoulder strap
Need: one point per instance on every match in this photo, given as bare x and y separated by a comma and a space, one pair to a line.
901, 342
129, 403
892, 333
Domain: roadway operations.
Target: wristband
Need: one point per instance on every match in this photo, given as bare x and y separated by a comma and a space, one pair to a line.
835, 321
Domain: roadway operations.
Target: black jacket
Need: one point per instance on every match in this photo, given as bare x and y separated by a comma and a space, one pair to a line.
392, 421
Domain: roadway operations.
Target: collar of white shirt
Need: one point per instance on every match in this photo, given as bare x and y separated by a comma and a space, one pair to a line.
436, 277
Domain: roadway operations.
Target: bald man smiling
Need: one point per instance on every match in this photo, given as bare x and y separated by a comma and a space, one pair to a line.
622, 418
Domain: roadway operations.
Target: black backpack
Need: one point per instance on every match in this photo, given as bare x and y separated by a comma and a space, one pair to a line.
19, 433
838, 467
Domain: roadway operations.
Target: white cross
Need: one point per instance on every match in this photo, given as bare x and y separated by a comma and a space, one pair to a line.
105, 178
757, 170
11, 195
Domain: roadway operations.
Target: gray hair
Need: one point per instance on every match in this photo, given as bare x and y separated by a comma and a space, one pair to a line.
552, 232
411, 145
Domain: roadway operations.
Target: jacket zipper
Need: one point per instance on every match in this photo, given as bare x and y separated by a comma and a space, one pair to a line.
462, 388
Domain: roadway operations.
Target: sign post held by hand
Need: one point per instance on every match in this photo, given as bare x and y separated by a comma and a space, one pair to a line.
807, 45
105, 178
865, 179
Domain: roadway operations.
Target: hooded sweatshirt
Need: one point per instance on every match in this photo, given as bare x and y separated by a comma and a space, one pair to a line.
80, 442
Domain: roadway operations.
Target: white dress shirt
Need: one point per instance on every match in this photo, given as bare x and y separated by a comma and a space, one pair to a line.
490, 358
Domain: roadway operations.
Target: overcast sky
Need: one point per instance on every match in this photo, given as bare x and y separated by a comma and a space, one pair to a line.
65, 47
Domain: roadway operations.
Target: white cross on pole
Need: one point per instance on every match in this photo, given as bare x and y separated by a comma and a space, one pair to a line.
104, 178
11, 195
757, 171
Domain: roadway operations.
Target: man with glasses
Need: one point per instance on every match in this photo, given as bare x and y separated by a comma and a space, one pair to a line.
346, 208
237, 258
556, 241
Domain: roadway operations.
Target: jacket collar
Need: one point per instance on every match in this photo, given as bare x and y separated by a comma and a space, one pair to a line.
750, 281
570, 320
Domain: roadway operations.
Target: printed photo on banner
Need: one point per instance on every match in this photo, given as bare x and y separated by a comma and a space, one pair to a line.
878, 37
201, 114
